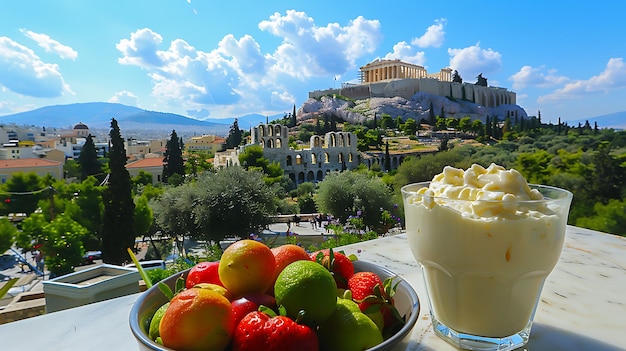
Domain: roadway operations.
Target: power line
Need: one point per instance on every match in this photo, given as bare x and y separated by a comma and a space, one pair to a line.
24, 192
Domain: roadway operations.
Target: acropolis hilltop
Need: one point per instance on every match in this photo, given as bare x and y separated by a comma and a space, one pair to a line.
390, 78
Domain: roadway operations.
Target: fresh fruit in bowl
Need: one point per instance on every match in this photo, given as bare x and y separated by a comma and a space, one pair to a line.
304, 295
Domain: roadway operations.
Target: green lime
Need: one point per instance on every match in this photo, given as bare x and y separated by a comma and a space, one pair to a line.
153, 331
306, 286
348, 329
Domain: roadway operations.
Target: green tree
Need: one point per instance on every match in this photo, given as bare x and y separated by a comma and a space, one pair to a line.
386, 121
398, 123
173, 158
306, 204
22, 192
234, 136
62, 245
607, 218
8, 234
252, 157
143, 216
348, 194
32, 231
441, 123
306, 188
477, 127
198, 161
88, 160
534, 166
86, 207
71, 169
410, 127
143, 178
118, 232
173, 211
387, 160
465, 124
230, 202
424, 168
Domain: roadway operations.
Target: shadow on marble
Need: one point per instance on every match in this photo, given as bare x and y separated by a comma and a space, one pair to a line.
544, 337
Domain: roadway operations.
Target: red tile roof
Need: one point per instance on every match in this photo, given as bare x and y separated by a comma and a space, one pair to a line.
146, 162
27, 162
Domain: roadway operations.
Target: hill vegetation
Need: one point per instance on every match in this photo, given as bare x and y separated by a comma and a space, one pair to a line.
208, 204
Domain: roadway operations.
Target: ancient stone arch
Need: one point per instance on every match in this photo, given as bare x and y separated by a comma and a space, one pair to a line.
317, 141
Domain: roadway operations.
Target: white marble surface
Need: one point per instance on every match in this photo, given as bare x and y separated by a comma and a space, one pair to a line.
583, 305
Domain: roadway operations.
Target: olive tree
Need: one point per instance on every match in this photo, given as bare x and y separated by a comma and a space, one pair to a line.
348, 194
230, 202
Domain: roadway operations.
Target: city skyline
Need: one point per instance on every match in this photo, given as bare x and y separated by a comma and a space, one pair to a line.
229, 59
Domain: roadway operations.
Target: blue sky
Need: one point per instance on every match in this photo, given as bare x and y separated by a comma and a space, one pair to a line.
231, 58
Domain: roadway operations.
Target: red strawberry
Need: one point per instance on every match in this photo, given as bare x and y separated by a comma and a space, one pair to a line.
370, 293
261, 331
337, 263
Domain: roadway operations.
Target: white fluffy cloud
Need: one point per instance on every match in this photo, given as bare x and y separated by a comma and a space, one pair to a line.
536, 77
308, 50
24, 73
433, 37
125, 98
240, 72
613, 77
51, 45
405, 52
473, 60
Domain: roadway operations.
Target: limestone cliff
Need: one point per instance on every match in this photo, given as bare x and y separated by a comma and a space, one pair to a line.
418, 108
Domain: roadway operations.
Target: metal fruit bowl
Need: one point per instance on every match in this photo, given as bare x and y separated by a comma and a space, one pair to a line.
406, 302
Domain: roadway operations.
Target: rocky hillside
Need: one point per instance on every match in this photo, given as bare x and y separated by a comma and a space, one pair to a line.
418, 108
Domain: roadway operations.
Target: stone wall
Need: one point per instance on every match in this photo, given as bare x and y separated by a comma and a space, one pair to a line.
406, 88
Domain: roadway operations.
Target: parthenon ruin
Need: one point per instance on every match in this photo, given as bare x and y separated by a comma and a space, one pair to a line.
378, 70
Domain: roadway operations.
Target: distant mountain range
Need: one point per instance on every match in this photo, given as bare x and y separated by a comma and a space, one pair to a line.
133, 120
98, 115
615, 120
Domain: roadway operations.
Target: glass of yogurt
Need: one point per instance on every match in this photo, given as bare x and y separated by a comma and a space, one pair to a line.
486, 241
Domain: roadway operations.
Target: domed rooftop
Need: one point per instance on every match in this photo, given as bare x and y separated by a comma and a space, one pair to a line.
80, 125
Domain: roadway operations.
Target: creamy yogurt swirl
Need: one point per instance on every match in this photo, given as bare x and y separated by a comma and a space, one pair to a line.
485, 192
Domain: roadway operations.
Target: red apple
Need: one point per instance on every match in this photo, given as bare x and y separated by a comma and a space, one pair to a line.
203, 272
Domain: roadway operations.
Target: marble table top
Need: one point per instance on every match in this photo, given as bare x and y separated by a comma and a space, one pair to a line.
583, 304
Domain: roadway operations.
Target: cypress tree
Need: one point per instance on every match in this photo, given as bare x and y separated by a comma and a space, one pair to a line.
387, 158
173, 160
432, 119
117, 224
293, 117
235, 136
88, 159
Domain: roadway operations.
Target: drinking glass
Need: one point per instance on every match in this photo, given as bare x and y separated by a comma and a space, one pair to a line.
484, 262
